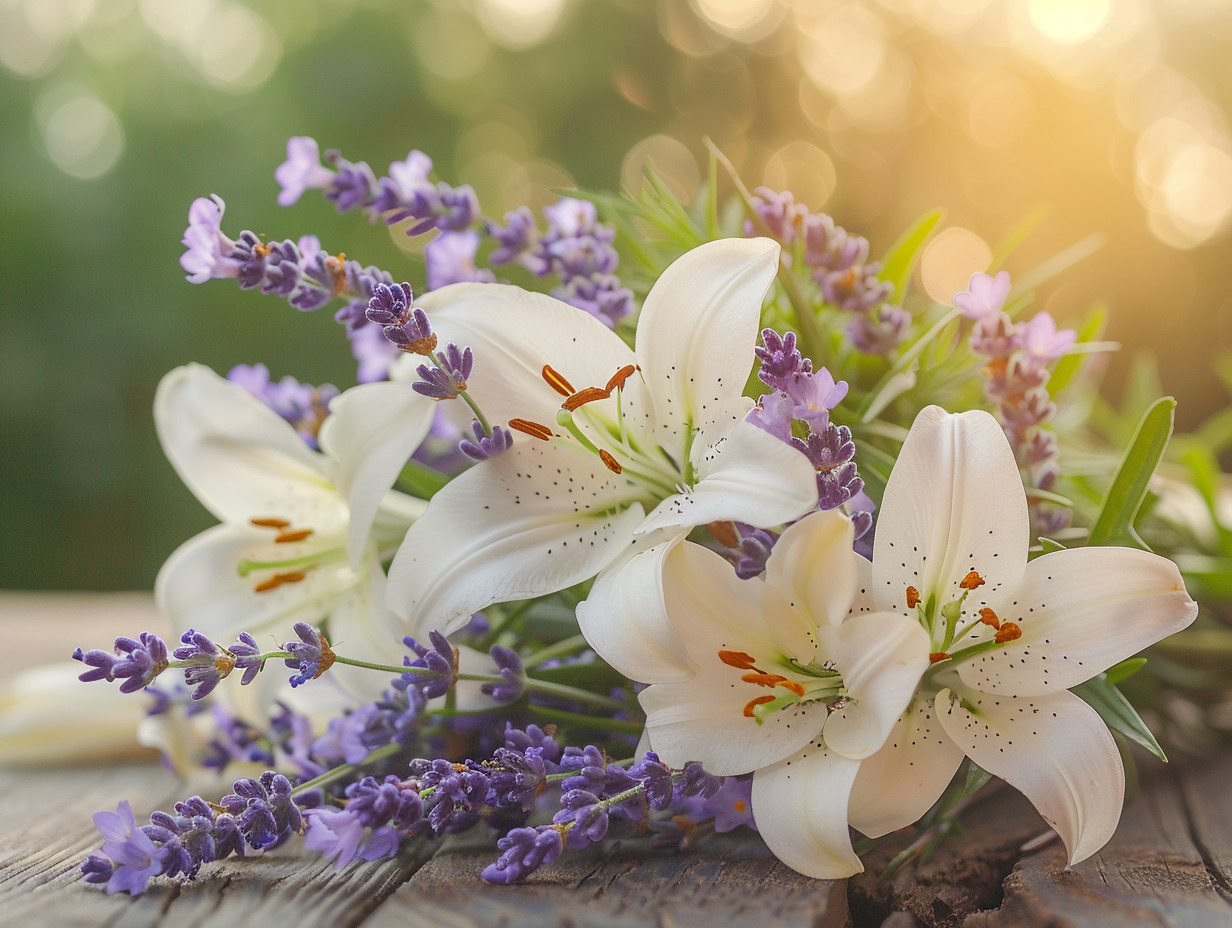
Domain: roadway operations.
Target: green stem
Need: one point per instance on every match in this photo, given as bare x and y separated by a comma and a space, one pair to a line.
564, 691
337, 773
615, 726
561, 648
508, 619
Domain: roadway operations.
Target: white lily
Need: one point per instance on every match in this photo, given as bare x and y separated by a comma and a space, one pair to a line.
794, 683
302, 531
1009, 638
618, 447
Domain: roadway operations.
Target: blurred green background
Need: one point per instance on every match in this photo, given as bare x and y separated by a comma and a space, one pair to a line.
116, 114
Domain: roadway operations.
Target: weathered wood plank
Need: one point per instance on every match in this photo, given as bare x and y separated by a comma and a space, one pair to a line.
1150, 873
726, 882
46, 832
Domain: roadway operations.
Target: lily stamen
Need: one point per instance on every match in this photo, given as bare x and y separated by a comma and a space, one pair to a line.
972, 581
754, 703
269, 523
989, 618
533, 429
618, 379
913, 597
288, 537
278, 580
610, 462
582, 397
556, 381
737, 659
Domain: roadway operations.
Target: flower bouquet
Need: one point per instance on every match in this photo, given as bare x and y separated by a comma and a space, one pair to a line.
651, 519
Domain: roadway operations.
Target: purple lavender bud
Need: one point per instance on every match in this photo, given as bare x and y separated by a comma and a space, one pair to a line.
486, 446
96, 868
509, 666
300, 404
301, 171
391, 305
534, 737
209, 253
518, 778
601, 296
390, 801
780, 359
311, 654
984, 295
263, 809
139, 662
524, 850
458, 209
656, 779
828, 449
855, 288
514, 240
407, 189
879, 331
779, 211
448, 379
994, 336
590, 819
207, 664
441, 662
352, 186
697, 782
246, 654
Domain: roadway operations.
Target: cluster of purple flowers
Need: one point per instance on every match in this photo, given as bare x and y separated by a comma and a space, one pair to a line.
798, 412
839, 264
302, 405
1016, 357
260, 813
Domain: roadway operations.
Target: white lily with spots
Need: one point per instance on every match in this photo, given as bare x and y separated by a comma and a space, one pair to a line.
793, 683
302, 532
1008, 638
620, 452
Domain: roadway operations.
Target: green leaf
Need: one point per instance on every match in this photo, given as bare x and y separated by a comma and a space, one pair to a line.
1049, 545
421, 480
1124, 670
977, 776
891, 381
1017, 234
901, 259
1114, 526
1117, 713
1068, 367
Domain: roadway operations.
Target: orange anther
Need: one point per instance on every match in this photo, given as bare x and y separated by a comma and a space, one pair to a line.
737, 659
337, 271
759, 701
725, 534
269, 523
582, 397
913, 597
1008, 632
937, 657
610, 462
327, 656
556, 381
533, 429
423, 346
225, 663
988, 617
763, 679
278, 580
262, 250
971, 581
287, 537
618, 379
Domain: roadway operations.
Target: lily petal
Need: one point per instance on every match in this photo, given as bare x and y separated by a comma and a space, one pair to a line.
698, 329
749, 476
625, 618
900, 782
954, 503
237, 455
882, 656
513, 333
1081, 611
534, 520
1055, 749
813, 565
370, 432
801, 809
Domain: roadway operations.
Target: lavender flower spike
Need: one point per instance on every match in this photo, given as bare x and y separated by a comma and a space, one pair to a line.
524, 850
311, 654
448, 378
137, 663
135, 856
302, 170
486, 446
205, 663
984, 295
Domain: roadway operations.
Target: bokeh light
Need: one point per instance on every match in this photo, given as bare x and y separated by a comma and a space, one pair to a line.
949, 260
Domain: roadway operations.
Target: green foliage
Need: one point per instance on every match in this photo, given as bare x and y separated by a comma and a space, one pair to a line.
1117, 713
1115, 523
901, 259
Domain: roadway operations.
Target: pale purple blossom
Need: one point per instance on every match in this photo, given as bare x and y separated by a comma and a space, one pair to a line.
209, 251
302, 170
450, 259
984, 295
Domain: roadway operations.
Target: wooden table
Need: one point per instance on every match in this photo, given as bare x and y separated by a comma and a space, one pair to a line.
1170, 862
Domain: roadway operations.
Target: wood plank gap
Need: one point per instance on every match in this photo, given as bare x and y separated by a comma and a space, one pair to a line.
1219, 879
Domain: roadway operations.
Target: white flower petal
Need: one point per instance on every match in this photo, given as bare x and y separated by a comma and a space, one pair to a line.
698, 328
369, 434
862, 601
625, 618
954, 503
199, 587
361, 626
1056, 750
513, 334
882, 656
900, 782
1081, 611
239, 457
748, 476
703, 719
534, 520
800, 805
813, 565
